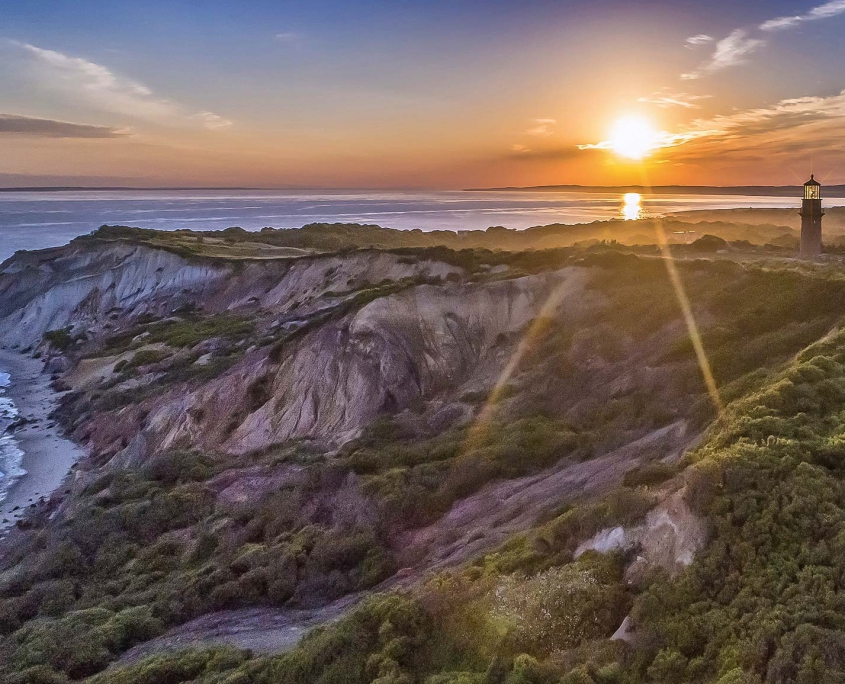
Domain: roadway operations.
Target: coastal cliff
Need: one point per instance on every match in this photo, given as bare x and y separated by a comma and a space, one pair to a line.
271, 440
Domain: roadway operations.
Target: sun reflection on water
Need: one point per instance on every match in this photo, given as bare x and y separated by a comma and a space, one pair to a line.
632, 208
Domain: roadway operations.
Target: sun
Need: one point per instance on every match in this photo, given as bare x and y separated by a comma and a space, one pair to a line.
633, 137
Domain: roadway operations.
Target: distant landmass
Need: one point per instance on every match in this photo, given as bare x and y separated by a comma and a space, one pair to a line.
762, 190
766, 190
90, 188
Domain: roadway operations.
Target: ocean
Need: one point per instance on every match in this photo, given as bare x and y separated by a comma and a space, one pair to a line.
10, 453
39, 219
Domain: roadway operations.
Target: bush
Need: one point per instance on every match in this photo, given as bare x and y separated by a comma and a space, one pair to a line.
176, 668
649, 475
61, 339
560, 608
189, 333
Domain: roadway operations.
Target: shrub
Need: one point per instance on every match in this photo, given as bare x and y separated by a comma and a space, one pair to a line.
190, 332
60, 339
559, 608
649, 475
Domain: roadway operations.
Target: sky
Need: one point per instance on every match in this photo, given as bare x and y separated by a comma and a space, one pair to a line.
434, 94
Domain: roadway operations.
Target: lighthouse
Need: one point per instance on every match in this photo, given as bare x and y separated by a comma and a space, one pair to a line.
811, 219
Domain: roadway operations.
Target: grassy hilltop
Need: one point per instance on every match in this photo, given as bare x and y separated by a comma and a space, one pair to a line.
322, 237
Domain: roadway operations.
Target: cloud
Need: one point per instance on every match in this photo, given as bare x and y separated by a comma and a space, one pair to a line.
700, 39
739, 45
660, 141
50, 128
780, 23
80, 80
288, 37
825, 11
664, 98
729, 52
554, 153
542, 127
516, 147
212, 121
791, 126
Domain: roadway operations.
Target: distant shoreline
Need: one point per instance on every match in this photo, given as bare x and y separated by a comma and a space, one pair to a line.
118, 188
751, 190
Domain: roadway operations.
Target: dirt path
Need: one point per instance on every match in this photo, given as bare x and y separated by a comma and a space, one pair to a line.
263, 630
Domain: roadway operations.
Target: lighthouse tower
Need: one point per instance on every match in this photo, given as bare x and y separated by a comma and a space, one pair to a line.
811, 219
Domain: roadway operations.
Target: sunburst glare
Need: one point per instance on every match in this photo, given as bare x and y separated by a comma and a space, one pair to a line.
633, 138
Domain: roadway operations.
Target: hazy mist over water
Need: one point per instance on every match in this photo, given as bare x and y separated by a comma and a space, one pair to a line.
35, 220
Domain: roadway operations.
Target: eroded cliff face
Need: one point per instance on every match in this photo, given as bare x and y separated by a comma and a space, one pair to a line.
425, 344
97, 288
422, 344
82, 287
430, 339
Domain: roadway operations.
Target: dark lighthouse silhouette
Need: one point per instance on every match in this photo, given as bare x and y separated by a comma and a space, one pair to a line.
811, 219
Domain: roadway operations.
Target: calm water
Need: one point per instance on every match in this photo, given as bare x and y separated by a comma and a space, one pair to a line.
34, 220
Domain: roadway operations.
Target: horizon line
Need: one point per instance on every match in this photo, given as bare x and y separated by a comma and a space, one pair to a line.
562, 187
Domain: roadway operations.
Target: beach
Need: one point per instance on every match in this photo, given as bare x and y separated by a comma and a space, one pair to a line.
47, 455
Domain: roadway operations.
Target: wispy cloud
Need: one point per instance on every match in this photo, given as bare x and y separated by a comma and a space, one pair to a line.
729, 52
700, 39
660, 141
542, 127
665, 98
287, 37
780, 23
78, 79
12, 124
516, 147
825, 11
736, 48
212, 121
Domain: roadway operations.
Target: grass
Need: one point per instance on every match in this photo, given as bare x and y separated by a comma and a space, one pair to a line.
238, 244
195, 329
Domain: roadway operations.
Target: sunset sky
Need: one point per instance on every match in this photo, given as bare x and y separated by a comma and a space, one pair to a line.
419, 94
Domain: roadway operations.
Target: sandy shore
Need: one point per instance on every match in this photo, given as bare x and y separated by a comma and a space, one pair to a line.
48, 456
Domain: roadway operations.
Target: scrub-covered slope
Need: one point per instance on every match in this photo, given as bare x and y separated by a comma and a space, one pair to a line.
283, 433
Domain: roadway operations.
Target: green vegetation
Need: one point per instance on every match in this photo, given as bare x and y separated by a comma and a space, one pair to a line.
144, 357
496, 620
151, 548
195, 329
238, 244
122, 570
765, 597
60, 339
213, 666
761, 604
416, 480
